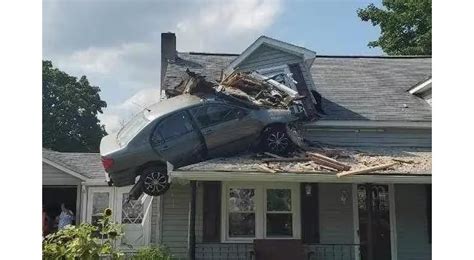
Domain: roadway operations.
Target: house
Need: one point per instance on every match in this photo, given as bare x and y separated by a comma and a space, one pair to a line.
228, 209
78, 180
367, 102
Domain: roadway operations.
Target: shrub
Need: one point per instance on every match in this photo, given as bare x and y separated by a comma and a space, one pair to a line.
85, 241
153, 253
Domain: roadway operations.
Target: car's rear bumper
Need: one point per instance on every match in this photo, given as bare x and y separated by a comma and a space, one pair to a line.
123, 178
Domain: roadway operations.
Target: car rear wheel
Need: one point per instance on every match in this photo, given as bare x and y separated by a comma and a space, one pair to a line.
276, 140
155, 181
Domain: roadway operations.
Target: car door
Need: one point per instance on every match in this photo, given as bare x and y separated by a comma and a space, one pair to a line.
177, 140
226, 129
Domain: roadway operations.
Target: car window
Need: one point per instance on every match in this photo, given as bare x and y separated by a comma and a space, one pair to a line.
214, 114
172, 127
132, 128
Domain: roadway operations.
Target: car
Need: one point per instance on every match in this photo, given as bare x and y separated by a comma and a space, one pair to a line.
187, 129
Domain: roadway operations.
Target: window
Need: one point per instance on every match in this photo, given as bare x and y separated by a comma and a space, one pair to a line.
132, 128
260, 211
214, 114
132, 210
278, 213
171, 127
100, 201
241, 212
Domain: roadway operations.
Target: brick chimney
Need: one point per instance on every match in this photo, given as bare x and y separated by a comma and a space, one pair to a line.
168, 52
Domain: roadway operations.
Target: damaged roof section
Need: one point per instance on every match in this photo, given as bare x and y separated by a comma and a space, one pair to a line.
253, 89
402, 161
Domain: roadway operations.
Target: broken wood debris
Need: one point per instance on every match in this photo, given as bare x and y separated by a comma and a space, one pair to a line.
329, 162
367, 170
252, 88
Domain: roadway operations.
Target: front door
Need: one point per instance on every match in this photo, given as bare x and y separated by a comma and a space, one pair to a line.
374, 221
134, 217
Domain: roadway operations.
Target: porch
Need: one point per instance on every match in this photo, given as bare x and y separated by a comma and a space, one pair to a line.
330, 220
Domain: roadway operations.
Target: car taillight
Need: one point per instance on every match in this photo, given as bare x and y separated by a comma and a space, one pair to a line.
107, 163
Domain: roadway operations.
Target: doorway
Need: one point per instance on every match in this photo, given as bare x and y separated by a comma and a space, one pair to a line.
53, 196
374, 221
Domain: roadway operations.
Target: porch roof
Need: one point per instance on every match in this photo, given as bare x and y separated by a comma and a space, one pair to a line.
248, 167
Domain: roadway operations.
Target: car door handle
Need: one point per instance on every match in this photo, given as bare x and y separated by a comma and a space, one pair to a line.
207, 131
164, 148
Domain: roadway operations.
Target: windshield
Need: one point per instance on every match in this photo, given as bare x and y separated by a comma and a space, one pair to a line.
132, 128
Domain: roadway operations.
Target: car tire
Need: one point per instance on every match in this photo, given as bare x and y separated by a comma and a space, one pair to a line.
155, 181
276, 140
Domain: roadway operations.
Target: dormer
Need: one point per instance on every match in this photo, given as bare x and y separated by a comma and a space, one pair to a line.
270, 57
422, 90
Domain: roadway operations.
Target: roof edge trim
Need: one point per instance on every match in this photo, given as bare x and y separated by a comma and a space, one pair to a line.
65, 169
371, 124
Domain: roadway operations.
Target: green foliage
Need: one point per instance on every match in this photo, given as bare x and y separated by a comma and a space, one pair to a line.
153, 253
405, 26
70, 109
82, 242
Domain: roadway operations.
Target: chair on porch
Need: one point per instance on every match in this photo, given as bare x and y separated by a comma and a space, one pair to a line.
279, 249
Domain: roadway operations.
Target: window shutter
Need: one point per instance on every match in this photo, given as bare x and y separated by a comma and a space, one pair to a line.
428, 210
310, 213
211, 211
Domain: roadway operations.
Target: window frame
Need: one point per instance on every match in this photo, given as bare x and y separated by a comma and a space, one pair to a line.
156, 128
198, 123
260, 210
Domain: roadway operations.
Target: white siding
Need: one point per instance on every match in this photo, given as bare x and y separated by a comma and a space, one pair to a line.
265, 57
335, 218
53, 176
412, 233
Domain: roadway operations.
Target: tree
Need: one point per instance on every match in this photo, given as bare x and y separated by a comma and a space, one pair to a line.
405, 26
70, 109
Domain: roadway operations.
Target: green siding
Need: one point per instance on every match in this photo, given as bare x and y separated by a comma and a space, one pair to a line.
266, 57
336, 218
412, 233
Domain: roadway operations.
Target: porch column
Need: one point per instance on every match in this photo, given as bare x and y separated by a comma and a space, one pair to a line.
192, 223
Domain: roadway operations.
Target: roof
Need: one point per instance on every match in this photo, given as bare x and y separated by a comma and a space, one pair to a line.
352, 87
88, 165
371, 88
358, 158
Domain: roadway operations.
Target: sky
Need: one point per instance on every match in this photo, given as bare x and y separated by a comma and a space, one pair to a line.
116, 43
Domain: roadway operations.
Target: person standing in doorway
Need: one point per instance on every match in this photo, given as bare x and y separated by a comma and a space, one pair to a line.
66, 217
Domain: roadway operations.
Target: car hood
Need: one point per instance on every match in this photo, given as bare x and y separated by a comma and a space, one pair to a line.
109, 144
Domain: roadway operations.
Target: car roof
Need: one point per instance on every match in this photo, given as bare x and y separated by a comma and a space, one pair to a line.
172, 104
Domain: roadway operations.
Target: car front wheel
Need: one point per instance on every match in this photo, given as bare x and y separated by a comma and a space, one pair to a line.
276, 140
155, 181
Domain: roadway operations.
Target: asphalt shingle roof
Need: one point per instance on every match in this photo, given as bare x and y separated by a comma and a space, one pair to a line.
88, 165
371, 88
352, 87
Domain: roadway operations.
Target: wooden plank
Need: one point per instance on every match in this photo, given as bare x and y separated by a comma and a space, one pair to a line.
367, 170
301, 159
273, 155
328, 164
266, 169
325, 158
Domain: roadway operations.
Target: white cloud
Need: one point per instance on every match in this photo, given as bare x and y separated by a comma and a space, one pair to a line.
116, 44
226, 26
116, 115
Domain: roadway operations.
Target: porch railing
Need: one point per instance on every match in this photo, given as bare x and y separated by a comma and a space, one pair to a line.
333, 251
246, 251
221, 251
